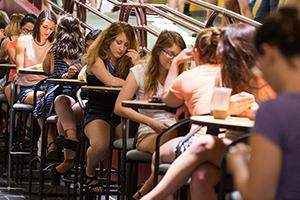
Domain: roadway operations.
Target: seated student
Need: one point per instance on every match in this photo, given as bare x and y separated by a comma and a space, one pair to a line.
196, 84
268, 167
201, 154
12, 31
109, 59
146, 80
70, 116
62, 63
31, 51
27, 24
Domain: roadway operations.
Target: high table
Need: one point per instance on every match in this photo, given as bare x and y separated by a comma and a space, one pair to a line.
233, 123
8, 66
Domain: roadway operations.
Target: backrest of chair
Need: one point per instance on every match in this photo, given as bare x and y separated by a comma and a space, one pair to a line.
224, 175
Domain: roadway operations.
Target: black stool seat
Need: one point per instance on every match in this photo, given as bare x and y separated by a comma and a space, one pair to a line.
163, 168
22, 107
52, 119
3, 98
136, 155
119, 145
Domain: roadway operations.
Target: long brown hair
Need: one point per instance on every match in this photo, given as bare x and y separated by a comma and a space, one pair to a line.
238, 55
100, 46
165, 40
45, 14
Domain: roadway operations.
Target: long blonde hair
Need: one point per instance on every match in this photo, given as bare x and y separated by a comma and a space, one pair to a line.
100, 46
14, 27
165, 40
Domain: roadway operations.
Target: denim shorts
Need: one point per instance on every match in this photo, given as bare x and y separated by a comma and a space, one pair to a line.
92, 114
25, 90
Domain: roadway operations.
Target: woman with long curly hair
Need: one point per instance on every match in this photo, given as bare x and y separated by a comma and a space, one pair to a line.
110, 57
147, 80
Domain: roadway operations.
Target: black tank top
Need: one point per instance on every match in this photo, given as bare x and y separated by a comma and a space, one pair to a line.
101, 101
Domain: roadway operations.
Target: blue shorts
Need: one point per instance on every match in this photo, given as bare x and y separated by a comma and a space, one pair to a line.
92, 114
25, 90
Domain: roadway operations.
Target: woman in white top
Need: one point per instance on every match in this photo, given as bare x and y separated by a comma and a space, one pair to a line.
146, 80
31, 51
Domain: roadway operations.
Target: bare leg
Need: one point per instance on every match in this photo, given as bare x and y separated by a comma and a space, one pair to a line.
206, 148
29, 97
167, 155
181, 5
203, 182
98, 133
244, 5
172, 3
148, 143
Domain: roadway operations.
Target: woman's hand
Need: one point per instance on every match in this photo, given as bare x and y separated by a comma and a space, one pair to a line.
184, 56
238, 157
240, 103
182, 110
134, 55
71, 71
158, 126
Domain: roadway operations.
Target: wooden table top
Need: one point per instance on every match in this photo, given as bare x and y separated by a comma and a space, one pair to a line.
237, 123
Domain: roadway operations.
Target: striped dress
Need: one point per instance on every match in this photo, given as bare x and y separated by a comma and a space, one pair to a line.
60, 67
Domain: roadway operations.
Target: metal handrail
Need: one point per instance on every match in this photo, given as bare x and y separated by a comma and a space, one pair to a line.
225, 12
96, 12
84, 24
165, 11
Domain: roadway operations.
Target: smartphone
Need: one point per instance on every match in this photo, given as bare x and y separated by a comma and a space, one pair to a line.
154, 99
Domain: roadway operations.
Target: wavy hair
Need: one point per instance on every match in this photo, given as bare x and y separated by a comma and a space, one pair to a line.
100, 46
238, 55
70, 40
165, 40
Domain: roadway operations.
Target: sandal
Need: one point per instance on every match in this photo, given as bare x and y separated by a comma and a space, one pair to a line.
63, 142
92, 186
138, 195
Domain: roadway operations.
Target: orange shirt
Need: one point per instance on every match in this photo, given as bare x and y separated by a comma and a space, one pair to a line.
196, 87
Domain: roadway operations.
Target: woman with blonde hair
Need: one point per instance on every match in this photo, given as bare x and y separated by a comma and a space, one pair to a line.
110, 57
12, 31
145, 81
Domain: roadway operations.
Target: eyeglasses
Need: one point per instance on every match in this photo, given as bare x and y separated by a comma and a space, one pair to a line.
26, 31
169, 54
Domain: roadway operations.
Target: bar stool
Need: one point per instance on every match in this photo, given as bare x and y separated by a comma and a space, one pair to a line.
83, 139
15, 108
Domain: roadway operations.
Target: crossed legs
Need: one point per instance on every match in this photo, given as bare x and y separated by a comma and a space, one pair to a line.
206, 149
